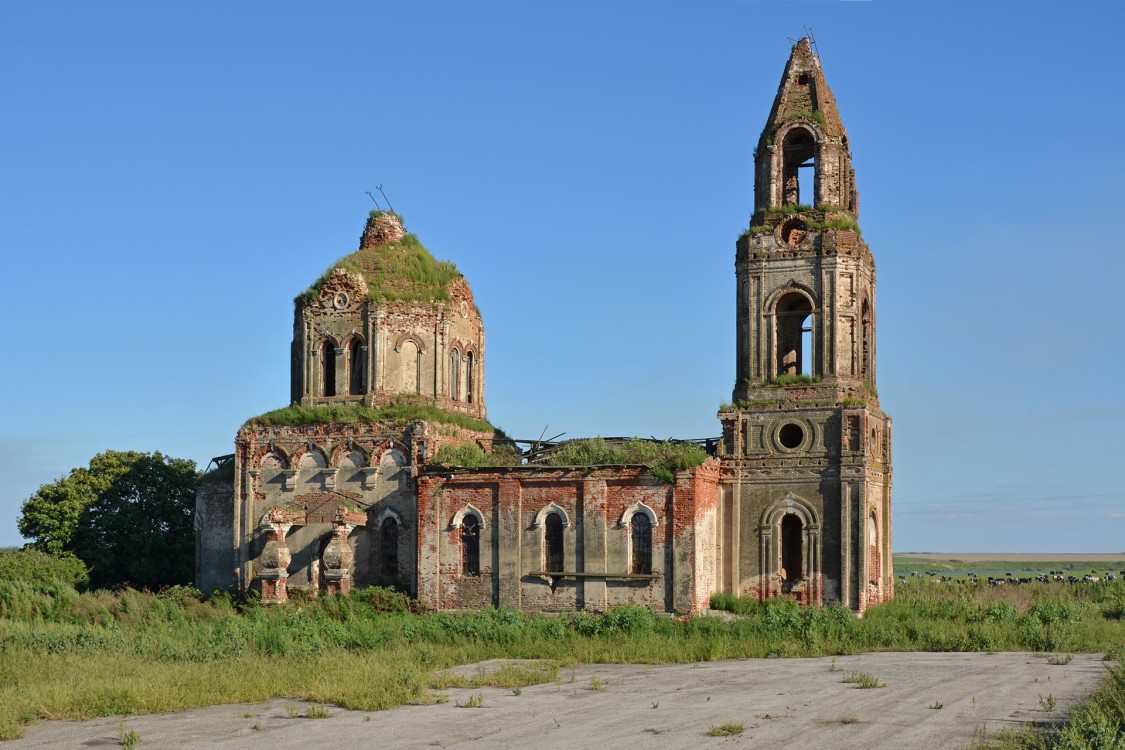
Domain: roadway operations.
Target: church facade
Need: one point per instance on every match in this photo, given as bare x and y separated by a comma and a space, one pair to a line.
351, 485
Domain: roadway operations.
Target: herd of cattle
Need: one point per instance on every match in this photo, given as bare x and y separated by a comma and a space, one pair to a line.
1053, 576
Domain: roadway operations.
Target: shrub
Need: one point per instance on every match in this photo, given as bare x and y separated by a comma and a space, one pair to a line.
41, 568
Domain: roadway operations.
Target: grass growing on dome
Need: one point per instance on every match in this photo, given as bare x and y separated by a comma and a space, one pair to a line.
402, 271
398, 412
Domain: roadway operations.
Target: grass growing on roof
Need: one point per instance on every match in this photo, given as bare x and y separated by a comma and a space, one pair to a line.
664, 457
397, 412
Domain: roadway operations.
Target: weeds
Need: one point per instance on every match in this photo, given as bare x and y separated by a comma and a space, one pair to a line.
1056, 660
1048, 703
937, 705
59, 649
318, 712
863, 680
595, 684
849, 720
834, 667
664, 457
728, 729
129, 737
473, 701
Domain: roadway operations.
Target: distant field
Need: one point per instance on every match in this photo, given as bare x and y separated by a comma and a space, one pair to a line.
999, 563
1013, 556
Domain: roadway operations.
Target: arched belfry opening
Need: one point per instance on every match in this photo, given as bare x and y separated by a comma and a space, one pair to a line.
798, 165
794, 315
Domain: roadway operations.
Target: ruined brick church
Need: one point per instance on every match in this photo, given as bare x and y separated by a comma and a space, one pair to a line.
342, 489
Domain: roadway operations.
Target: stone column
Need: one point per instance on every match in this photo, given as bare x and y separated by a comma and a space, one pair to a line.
273, 563
337, 561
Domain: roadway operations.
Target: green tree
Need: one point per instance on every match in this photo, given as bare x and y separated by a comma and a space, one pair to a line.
128, 517
50, 516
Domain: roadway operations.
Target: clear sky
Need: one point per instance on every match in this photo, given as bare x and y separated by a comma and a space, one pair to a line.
172, 174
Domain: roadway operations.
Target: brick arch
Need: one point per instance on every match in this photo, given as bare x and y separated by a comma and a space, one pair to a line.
346, 448
635, 508
265, 450
812, 127
770, 548
551, 507
410, 336
295, 457
791, 287
390, 444
468, 510
384, 514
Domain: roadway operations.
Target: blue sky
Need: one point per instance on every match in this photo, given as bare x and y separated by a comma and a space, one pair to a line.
172, 174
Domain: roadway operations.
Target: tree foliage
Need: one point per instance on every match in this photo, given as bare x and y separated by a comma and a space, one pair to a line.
128, 517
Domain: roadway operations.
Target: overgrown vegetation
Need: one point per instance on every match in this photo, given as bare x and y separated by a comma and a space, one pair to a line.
401, 271
794, 380
70, 655
472, 456
665, 458
35, 568
835, 222
400, 412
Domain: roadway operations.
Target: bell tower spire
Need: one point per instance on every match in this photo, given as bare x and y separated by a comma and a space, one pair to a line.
806, 447
802, 155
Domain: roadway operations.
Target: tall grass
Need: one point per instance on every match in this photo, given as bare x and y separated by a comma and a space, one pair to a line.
70, 655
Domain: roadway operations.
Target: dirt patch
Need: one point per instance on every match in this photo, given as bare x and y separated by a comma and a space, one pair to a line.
792, 703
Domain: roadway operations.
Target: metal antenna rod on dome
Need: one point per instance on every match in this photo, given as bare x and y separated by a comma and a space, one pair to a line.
372, 197
388, 200
812, 40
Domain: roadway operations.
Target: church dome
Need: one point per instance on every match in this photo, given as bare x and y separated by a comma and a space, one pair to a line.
395, 267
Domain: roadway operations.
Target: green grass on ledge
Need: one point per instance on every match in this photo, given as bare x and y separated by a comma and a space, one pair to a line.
398, 412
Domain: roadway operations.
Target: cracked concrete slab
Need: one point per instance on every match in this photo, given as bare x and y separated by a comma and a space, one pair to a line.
792, 703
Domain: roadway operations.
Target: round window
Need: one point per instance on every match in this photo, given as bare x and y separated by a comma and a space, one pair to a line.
791, 435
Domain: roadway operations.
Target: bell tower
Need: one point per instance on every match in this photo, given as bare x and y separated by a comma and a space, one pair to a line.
806, 493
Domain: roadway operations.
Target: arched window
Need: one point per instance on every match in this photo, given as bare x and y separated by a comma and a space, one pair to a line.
553, 542
873, 550
470, 545
408, 381
798, 152
794, 335
641, 533
792, 556
469, 377
865, 352
355, 367
328, 368
454, 374
389, 547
